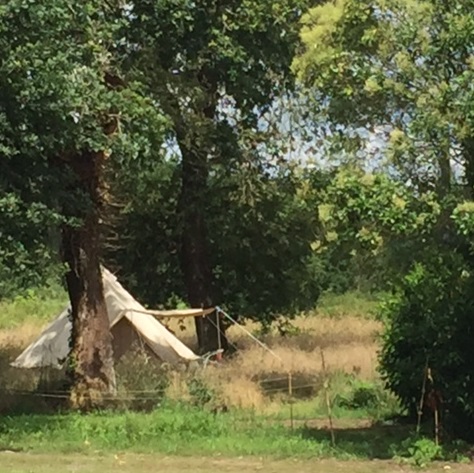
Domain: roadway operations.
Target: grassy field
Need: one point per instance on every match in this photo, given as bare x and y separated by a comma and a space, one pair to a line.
234, 413
253, 378
183, 429
33, 307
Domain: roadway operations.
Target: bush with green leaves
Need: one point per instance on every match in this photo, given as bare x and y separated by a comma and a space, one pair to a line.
200, 393
420, 451
429, 323
361, 395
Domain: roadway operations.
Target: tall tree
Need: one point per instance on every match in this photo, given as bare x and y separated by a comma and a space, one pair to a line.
210, 65
260, 243
62, 116
401, 69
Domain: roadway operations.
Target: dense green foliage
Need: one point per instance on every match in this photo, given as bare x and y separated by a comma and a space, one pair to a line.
54, 104
400, 69
260, 246
231, 192
371, 226
429, 325
25, 255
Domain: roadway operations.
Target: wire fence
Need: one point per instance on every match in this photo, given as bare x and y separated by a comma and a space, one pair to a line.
158, 393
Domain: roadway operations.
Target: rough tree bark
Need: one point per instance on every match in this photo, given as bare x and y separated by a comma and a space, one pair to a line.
91, 362
195, 262
195, 143
194, 125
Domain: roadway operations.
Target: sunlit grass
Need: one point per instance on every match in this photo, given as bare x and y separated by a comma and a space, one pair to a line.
171, 429
32, 307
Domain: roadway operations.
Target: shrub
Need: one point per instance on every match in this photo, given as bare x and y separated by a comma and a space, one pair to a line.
429, 320
420, 451
368, 397
362, 395
200, 393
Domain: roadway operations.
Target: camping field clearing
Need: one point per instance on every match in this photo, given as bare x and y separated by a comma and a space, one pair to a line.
230, 416
343, 329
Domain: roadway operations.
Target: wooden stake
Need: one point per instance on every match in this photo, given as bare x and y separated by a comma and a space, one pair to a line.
434, 401
328, 400
290, 394
218, 320
436, 420
422, 398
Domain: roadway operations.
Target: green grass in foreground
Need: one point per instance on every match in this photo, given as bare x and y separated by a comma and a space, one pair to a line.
186, 430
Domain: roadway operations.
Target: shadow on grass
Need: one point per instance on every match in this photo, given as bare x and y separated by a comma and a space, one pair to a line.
377, 442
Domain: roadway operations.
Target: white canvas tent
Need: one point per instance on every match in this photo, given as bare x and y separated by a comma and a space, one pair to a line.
129, 321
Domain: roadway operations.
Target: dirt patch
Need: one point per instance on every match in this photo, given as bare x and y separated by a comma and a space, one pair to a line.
338, 424
132, 463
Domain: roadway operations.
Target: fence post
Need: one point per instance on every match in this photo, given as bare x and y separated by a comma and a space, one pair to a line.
290, 394
328, 400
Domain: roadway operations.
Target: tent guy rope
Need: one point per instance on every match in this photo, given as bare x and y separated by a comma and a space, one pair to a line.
255, 339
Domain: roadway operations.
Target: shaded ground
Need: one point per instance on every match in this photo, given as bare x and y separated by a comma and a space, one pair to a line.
360, 438
130, 463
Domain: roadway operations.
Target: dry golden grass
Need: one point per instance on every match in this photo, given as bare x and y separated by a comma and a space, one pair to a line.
248, 378
177, 388
20, 337
349, 345
12, 342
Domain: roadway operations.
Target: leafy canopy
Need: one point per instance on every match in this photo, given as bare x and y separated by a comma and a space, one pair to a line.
55, 102
405, 64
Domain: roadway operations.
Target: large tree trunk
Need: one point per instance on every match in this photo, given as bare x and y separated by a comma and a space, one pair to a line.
195, 262
91, 364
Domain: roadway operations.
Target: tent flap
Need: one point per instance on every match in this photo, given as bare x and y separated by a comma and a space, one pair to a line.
52, 346
179, 314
